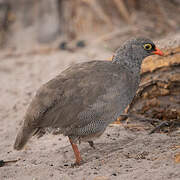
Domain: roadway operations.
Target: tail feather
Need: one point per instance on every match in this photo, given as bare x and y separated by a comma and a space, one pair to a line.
23, 136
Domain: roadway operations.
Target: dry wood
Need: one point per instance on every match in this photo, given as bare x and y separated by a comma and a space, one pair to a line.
158, 97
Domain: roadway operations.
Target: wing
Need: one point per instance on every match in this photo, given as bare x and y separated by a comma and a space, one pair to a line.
82, 93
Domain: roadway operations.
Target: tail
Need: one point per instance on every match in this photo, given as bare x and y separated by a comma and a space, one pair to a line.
23, 136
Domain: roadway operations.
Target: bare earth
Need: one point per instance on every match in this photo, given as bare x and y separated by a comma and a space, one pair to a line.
120, 153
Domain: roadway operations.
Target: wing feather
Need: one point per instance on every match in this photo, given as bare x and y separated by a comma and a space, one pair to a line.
81, 94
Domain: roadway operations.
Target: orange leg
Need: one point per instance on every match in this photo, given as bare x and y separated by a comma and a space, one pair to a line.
79, 160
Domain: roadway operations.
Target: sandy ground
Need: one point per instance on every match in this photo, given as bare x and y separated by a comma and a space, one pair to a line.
120, 153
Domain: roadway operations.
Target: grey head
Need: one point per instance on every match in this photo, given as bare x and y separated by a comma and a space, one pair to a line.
132, 53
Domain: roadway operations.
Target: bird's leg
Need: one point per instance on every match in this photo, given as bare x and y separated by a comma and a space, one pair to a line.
91, 143
79, 160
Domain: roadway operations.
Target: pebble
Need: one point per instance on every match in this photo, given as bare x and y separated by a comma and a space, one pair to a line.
101, 178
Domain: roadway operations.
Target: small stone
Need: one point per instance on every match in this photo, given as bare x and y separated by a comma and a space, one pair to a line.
114, 174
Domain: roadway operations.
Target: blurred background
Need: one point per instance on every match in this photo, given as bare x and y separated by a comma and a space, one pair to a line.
24, 23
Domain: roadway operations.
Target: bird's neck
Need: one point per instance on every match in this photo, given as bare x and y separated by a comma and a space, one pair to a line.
134, 65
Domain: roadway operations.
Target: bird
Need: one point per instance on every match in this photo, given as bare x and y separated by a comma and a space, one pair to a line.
86, 97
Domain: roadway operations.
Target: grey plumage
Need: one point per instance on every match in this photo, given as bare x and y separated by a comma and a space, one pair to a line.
86, 97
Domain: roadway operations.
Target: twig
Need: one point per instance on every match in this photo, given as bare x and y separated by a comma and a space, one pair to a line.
139, 118
165, 123
162, 124
2, 162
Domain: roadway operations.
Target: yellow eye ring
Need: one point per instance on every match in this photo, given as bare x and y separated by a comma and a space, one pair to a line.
147, 46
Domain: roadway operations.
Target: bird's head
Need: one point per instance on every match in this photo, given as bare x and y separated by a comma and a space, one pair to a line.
133, 52
142, 47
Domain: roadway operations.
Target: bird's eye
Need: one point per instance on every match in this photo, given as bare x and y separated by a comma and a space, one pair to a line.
147, 46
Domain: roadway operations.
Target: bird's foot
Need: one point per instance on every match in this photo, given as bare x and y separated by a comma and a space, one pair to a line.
77, 163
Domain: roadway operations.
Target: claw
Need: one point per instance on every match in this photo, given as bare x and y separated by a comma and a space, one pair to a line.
77, 163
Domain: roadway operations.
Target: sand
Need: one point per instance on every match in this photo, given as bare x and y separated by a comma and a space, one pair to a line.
120, 154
